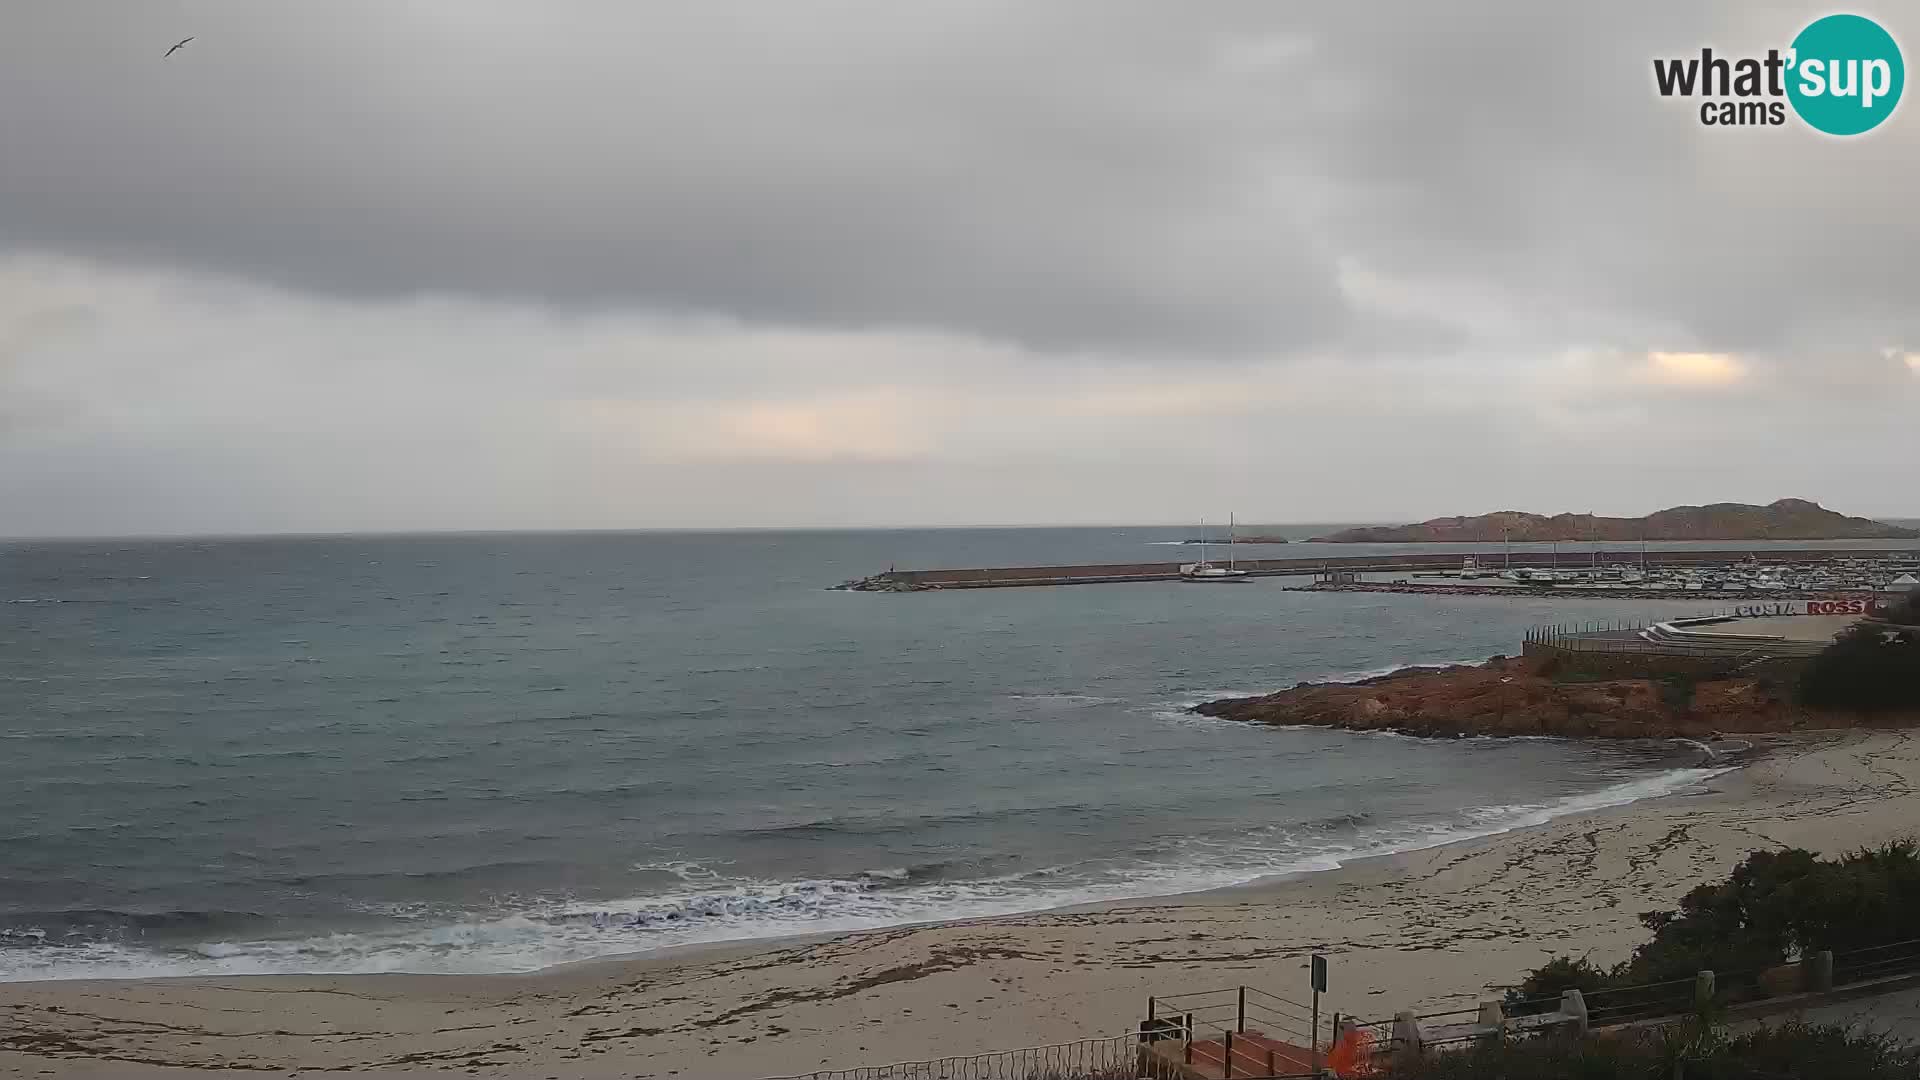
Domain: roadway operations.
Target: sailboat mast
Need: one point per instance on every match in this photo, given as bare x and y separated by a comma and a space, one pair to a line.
1229, 540
1203, 542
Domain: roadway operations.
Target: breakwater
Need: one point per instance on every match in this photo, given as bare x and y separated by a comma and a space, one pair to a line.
1003, 577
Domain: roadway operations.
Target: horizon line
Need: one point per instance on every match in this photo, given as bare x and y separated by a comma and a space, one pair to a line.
152, 537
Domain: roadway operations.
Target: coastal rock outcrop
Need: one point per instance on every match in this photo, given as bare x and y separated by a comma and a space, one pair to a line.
1516, 696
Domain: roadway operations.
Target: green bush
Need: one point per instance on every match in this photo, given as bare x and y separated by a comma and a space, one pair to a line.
1797, 1049
1868, 669
1774, 906
1536, 1059
1540, 991
1789, 1050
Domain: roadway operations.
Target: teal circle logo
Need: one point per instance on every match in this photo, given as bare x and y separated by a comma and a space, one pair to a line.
1845, 74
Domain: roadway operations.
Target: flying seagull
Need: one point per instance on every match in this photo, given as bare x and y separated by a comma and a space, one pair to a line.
177, 48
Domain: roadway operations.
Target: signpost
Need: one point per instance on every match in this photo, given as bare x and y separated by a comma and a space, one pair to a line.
1319, 987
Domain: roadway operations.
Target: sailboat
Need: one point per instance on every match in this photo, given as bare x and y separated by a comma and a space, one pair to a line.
1206, 571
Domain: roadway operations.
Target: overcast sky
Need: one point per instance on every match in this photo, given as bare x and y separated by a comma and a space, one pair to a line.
418, 264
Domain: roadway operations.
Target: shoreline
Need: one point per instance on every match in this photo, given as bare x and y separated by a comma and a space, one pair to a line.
1437, 927
702, 949
1653, 782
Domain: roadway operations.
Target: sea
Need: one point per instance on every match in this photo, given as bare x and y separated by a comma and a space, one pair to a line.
503, 752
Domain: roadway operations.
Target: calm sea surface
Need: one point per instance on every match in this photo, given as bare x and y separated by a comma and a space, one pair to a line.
501, 752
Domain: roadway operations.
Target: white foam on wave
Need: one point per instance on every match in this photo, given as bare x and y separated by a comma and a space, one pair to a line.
1379, 672
1178, 710
1063, 698
1185, 717
716, 909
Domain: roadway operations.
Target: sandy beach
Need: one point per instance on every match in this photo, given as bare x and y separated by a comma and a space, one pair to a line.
1430, 929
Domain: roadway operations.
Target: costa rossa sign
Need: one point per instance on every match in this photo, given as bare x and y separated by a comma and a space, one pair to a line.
1839, 607
1850, 606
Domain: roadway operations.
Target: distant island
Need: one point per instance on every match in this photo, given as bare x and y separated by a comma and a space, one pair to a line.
1787, 519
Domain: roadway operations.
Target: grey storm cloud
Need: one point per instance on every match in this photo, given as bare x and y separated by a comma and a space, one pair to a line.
980, 168
437, 263
1523, 145
1065, 175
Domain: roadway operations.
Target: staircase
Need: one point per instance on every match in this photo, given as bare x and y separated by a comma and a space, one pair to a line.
1236, 1033
1248, 1054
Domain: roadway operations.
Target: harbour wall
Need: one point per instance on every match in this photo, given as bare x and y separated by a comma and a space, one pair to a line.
1001, 577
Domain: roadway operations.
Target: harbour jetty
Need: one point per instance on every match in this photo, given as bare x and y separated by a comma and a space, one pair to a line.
1003, 577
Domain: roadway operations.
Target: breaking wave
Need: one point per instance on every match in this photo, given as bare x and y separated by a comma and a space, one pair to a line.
709, 906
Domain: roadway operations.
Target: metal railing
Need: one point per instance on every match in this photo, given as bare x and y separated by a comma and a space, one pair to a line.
1616, 1005
1234, 1030
1671, 999
1569, 640
1235, 1008
1114, 1057
1209, 1025
1876, 962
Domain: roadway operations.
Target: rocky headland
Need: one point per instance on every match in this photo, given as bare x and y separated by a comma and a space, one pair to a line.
1520, 696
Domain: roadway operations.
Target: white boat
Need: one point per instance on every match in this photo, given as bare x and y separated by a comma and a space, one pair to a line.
1469, 568
1206, 571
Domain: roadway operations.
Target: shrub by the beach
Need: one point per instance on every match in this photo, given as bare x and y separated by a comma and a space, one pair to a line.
1779, 904
1798, 1049
1788, 1050
1774, 906
1540, 991
1535, 1059
1868, 668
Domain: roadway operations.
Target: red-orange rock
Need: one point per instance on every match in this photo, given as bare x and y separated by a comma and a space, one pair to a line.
1507, 696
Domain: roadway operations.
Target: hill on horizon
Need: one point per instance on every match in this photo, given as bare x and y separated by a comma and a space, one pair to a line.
1785, 519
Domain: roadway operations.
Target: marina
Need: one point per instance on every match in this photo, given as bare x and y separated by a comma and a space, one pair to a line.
1601, 592
1684, 574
